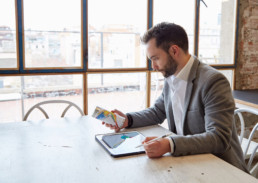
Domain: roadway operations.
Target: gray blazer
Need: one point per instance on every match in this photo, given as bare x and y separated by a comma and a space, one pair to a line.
208, 122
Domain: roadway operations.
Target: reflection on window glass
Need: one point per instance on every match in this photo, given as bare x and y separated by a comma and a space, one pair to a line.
52, 33
122, 91
217, 31
114, 33
179, 12
35, 89
229, 76
8, 55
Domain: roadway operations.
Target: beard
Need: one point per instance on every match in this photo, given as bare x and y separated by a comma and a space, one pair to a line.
170, 67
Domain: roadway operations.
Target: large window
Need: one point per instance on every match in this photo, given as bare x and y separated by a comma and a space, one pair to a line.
8, 51
124, 91
114, 33
19, 93
179, 12
10, 99
217, 32
52, 33
89, 51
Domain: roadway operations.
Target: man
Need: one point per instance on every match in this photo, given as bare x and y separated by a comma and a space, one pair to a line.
196, 101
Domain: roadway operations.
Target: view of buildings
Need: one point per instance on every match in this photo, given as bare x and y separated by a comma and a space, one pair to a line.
8, 58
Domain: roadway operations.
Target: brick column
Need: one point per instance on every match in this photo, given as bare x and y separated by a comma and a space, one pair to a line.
247, 62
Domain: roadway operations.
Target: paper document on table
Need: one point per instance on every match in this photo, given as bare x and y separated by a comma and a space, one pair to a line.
108, 117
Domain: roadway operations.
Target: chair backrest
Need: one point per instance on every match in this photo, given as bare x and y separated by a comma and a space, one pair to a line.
250, 138
38, 106
252, 158
239, 113
253, 170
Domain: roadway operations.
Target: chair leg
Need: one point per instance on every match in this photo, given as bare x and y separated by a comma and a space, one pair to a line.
254, 170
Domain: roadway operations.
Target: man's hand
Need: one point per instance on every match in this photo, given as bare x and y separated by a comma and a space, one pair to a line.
114, 127
157, 148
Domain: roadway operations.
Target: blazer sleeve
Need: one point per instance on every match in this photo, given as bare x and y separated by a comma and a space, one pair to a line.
151, 116
218, 107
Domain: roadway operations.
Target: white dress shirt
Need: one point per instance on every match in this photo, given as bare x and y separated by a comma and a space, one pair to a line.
177, 84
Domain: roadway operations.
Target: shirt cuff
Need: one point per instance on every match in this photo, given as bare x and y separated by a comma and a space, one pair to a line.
171, 144
130, 120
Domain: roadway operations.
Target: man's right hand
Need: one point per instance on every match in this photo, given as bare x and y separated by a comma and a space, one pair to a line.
114, 127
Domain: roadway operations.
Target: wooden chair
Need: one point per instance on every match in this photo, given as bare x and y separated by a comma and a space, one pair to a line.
249, 147
38, 106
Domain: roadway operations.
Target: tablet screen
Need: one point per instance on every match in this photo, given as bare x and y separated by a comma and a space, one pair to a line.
122, 144
113, 141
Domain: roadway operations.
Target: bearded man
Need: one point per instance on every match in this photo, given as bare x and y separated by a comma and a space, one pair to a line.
196, 101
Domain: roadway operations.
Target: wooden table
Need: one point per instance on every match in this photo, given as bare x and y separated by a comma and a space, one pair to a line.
65, 151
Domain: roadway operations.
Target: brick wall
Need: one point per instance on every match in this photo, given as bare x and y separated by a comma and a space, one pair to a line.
247, 62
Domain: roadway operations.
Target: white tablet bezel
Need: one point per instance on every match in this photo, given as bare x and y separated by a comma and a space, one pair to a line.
111, 151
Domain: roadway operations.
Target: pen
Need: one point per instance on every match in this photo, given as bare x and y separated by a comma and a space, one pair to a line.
163, 136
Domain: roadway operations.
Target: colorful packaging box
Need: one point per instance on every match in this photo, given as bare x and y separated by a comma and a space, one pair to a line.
108, 117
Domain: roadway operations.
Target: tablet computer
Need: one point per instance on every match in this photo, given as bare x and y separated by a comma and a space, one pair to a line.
121, 144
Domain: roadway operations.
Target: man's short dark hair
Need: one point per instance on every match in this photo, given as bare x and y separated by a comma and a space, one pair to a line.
167, 34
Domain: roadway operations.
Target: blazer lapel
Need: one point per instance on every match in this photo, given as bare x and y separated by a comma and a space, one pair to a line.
168, 102
189, 87
172, 125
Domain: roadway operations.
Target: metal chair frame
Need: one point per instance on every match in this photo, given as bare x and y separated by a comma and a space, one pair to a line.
37, 106
254, 170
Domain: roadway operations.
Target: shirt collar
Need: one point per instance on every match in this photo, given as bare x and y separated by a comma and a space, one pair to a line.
185, 71
182, 75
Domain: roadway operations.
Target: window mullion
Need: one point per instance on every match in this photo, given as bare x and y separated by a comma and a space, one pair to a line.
197, 19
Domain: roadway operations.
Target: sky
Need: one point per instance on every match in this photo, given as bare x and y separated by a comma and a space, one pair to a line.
57, 14
131, 12
7, 9
51, 14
